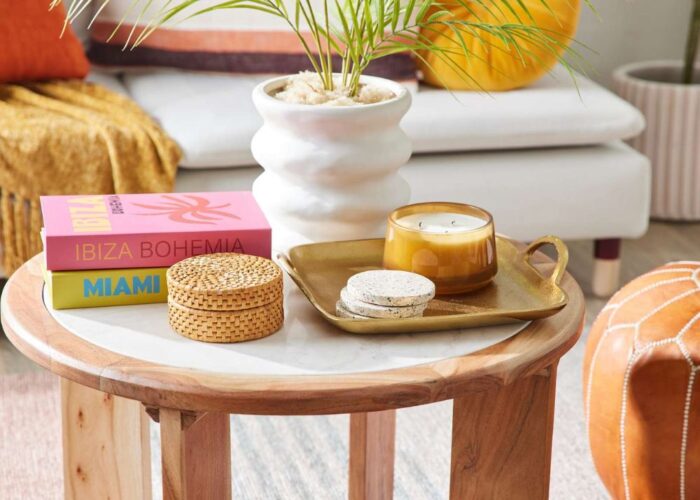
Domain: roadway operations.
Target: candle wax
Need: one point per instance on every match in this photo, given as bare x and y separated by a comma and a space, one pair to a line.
441, 222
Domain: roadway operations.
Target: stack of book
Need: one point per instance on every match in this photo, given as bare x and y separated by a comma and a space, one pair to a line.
107, 250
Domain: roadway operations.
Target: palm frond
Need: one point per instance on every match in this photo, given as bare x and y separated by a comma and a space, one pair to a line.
361, 31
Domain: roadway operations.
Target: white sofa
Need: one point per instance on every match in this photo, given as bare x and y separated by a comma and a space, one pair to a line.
544, 160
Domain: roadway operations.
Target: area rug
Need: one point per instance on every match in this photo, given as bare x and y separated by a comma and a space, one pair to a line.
290, 458
30, 437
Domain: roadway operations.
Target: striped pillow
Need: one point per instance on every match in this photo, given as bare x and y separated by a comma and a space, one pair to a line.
231, 41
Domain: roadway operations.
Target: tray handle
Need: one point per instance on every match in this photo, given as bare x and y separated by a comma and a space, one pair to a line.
562, 256
287, 266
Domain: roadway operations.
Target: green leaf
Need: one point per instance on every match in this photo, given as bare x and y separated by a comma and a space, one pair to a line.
423, 10
368, 21
512, 10
144, 9
360, 31
408, 12
396, 14
381, 21
437, 16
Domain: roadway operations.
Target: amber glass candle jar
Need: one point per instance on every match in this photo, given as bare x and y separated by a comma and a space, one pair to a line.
452, 244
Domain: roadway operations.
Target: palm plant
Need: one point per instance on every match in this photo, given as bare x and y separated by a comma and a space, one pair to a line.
691, 48
361, 31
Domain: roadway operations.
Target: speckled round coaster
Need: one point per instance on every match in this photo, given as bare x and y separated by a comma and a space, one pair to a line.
391, 288
344, 313
375, 311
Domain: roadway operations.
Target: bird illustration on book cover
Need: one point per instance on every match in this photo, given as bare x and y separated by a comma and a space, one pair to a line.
189, 209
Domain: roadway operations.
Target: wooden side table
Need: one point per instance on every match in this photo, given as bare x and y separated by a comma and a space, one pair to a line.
503, 394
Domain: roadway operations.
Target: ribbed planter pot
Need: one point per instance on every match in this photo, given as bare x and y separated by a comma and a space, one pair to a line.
330, 171
672, 137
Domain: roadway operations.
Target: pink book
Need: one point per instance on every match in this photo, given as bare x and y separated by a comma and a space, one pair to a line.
149, 230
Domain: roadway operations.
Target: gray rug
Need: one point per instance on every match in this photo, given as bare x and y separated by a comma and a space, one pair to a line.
301, 458
290, 458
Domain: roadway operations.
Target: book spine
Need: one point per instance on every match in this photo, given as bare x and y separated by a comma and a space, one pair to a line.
70, 253
114, 287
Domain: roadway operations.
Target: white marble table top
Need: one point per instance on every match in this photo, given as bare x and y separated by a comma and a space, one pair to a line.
306, 345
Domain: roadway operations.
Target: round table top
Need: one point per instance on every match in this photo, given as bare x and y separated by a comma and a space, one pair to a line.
308, 368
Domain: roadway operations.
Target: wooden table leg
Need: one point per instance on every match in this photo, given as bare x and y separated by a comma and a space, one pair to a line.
106, 445
502, 440
196, 454
372, 437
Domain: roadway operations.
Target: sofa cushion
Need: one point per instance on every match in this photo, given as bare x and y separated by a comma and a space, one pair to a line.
235, 39
574, 193
492, 61
213, 119
112, 82
34, 45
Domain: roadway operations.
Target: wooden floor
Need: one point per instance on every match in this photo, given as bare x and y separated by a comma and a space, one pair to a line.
663, 242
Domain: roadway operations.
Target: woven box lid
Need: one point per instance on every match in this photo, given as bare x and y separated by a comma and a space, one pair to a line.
224, 282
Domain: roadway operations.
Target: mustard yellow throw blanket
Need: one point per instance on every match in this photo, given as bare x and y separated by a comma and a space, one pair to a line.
72, 137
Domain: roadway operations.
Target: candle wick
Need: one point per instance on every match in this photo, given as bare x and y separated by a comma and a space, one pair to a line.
420, 223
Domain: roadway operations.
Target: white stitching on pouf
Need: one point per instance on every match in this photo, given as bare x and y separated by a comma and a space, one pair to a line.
638, 350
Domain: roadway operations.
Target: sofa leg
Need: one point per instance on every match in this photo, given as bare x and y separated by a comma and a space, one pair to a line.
606, 267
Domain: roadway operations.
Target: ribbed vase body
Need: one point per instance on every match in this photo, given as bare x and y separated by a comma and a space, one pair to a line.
331, 173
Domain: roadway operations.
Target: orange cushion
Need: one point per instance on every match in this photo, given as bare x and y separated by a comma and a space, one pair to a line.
31, 46
494, 66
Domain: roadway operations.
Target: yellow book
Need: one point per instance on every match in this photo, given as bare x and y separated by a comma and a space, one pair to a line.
106, 287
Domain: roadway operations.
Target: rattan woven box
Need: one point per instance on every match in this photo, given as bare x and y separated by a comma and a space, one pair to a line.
225, 297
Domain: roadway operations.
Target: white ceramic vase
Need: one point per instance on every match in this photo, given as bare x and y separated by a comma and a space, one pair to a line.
330, 171
671, 139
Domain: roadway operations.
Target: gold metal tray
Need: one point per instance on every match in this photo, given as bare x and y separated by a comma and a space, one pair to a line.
518, 292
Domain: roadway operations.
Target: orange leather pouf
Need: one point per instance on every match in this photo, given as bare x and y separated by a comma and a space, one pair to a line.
641, 387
